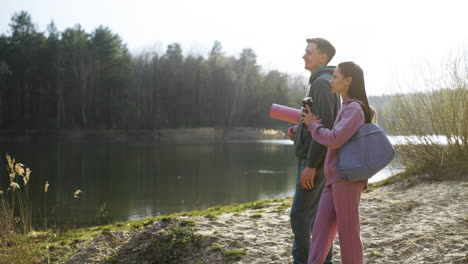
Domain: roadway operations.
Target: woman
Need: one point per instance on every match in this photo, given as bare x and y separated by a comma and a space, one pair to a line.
339, 204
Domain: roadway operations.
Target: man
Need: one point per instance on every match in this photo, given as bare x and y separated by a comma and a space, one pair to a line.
310, 179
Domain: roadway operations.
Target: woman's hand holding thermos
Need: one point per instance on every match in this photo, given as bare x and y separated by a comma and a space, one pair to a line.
309, 117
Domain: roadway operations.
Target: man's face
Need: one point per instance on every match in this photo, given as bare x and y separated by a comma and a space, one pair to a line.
313, 59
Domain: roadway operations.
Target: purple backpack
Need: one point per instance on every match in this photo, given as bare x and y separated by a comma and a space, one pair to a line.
365, 153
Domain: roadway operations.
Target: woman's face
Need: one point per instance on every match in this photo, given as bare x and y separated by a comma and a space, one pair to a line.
339, 83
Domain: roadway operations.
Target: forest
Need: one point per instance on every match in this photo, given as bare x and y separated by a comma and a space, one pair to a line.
76, 79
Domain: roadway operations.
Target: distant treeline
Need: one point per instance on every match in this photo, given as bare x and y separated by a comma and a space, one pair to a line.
76, 79
385, 107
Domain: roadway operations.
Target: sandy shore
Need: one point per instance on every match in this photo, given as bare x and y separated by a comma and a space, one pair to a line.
423, 223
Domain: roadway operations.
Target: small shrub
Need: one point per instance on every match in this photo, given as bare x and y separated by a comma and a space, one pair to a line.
170, 245
420, 117
165, 219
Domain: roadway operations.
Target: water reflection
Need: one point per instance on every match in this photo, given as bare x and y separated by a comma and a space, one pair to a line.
395, 140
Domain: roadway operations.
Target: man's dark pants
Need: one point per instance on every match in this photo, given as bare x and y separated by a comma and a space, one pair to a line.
303, 211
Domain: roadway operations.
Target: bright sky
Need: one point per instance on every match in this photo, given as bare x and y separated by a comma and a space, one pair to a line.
389, 39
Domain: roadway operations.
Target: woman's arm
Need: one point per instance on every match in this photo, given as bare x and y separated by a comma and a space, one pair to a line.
351, 120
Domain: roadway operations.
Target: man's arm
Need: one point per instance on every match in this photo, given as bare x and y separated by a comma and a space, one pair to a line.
324, 103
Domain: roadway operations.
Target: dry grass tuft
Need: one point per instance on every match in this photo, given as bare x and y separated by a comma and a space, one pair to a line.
16, 245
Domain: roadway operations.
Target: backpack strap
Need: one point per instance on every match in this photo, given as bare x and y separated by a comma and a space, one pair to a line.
363, 109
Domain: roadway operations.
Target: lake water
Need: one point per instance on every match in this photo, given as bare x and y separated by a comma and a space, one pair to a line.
122, 181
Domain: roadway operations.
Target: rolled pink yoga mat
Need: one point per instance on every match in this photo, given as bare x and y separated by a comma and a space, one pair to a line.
285, 113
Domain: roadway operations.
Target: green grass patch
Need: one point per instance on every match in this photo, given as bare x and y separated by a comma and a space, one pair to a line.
211, 216
216, 247
164, 218
187, 223
235, 254
212, 212
284, 206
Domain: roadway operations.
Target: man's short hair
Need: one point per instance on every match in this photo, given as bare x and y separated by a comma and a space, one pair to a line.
324, 46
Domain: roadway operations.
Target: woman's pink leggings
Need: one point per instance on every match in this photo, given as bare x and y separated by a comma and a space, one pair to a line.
338, 211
